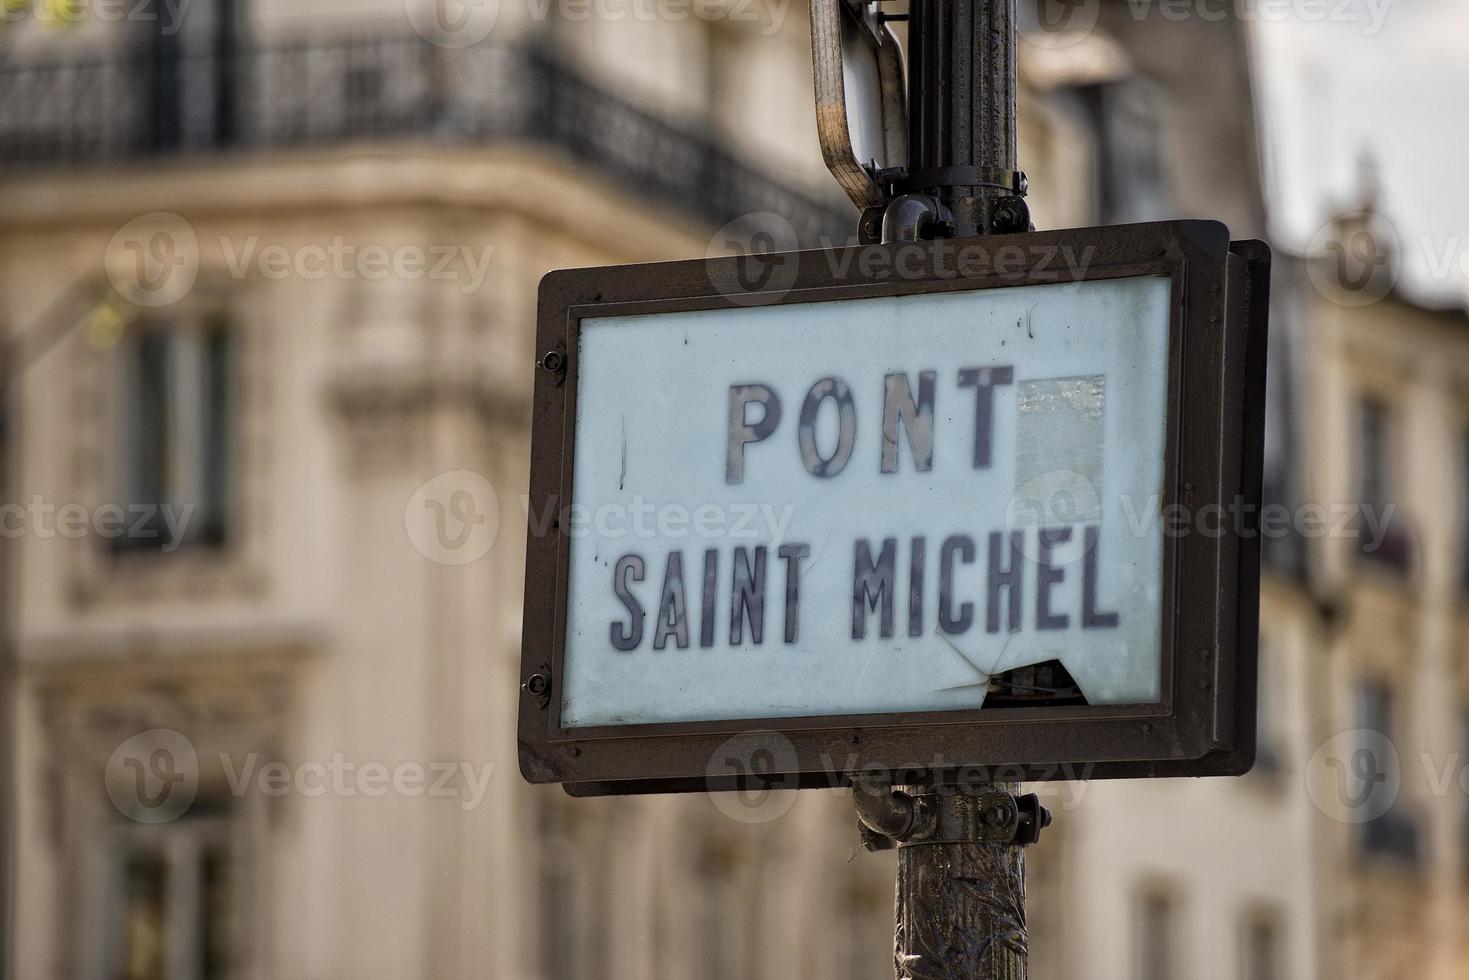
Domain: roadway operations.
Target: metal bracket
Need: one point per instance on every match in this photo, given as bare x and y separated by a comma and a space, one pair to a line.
931, 178
921, 816
833, 128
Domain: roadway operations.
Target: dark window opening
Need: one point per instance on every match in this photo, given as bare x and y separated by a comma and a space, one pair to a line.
174, 449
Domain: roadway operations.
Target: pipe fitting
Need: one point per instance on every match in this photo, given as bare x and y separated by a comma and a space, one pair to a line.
916, 218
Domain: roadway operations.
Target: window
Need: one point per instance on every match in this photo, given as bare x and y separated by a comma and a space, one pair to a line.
175, 442
1260, 958
1464, 514
1382, 533
1126, 119
170, 909
191, 84
1372, 424
1154, 936
1394, 834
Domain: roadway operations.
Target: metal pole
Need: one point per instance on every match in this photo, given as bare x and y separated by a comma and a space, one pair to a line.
961, 114
961, 860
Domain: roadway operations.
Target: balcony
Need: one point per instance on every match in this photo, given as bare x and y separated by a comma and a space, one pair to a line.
332, 92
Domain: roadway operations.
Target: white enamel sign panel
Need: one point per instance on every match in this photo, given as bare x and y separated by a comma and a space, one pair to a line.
867, 506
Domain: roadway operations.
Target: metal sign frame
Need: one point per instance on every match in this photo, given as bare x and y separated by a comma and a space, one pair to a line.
1204, 723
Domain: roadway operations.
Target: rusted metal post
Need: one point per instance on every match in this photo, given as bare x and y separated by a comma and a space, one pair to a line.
961, 863
961, 875
961, 890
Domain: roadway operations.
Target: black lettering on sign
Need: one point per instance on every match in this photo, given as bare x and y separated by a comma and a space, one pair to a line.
747, 599
963, 546
836, 389
1091, 617
1047, 575
915, 586
627, 637
872, 584
792, 554
706, 613
916, 418
1007, 577
984, 380
673, 617
742, 431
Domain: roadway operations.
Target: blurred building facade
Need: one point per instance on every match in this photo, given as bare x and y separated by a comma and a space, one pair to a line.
314, 641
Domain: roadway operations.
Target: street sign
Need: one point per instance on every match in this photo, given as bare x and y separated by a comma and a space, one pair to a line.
851, 503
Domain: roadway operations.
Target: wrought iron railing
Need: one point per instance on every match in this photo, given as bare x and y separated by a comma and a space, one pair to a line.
317, 93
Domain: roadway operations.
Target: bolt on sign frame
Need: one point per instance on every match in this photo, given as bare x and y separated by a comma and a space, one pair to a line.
1202, 724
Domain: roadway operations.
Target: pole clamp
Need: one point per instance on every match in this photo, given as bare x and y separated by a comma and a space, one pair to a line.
918, 816
931, 178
